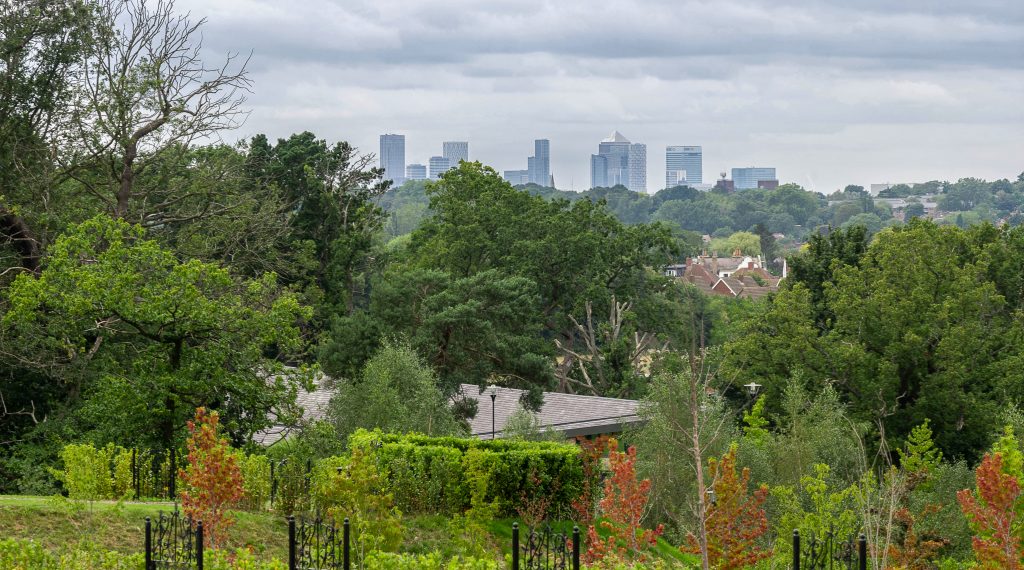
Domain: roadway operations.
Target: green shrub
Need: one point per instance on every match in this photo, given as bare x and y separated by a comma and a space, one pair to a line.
87, 474
255, 480
240, 559
28, 555
429, 474
432, 561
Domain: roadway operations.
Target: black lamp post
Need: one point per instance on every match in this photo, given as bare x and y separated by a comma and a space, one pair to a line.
494, 396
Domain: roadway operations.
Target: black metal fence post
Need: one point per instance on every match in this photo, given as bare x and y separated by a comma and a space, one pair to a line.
149, 544
515, 546
575, 548
796, 549
171, 475
291, 543
862, 548
199, 545
135, 479
346, 563
273, 484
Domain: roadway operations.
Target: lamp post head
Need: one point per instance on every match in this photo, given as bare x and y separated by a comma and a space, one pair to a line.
493, 396
711, 496
753, 388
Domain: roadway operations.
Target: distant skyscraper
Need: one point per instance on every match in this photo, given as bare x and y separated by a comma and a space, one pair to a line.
599, 171
438, 166
392, 157
683, 166
517, 177
455, 151
416, 172
540, 162
747, 178
637, 167
619, 161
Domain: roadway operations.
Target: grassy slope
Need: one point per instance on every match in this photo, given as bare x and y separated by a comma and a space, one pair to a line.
56, 523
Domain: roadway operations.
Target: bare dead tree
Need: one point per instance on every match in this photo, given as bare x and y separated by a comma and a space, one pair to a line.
145, 92
589, 361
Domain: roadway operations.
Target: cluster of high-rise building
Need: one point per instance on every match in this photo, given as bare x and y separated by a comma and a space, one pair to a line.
538, 167
392, 160
618, 162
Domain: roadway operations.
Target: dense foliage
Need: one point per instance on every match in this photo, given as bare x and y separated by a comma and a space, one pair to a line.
145, 273
435, 474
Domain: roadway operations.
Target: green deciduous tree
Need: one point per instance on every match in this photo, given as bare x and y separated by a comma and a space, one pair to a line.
136, 339
396, 391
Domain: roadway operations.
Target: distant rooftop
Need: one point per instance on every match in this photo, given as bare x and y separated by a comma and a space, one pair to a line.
616, 137
571, 414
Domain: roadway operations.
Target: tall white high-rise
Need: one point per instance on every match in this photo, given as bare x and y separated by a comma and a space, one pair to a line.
455, 151
392, 157
683, 166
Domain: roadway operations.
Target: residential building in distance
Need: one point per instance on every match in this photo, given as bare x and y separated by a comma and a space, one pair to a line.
539, 165
517, 177
683, 166
767, 184
416, 172
747, 178
455, 151
438, 166
618, 161
392, 157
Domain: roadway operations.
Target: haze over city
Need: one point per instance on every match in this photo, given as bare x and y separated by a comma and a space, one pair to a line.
828, 92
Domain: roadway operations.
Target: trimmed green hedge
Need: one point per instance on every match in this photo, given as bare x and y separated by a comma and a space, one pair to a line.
432, 474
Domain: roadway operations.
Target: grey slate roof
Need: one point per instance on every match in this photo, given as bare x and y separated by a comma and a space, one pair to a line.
570, 414
314, 407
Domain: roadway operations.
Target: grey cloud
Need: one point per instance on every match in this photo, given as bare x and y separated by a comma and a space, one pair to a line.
798, 84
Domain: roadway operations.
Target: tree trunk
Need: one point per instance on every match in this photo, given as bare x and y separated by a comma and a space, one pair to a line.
127, 179
17, 232
702, 535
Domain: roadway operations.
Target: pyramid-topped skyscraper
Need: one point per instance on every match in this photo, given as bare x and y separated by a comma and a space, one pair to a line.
618, 161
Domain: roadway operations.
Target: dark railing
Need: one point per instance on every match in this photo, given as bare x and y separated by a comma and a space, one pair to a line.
175, 543
545, 549
154, 475
830, 552
318, 545
290, 486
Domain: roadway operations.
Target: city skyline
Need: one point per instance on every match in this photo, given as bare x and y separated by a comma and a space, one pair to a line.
830, 93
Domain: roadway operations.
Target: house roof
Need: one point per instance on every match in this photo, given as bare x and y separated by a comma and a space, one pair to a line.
571, 414
314, 407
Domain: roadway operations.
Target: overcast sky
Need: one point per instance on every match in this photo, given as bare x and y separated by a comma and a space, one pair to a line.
830, 92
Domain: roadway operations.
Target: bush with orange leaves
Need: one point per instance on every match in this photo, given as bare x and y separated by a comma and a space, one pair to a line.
622, 509
736, 520
993, 514
213, 477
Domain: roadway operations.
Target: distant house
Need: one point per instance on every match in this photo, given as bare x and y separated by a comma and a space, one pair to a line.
736, 276
571, 414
